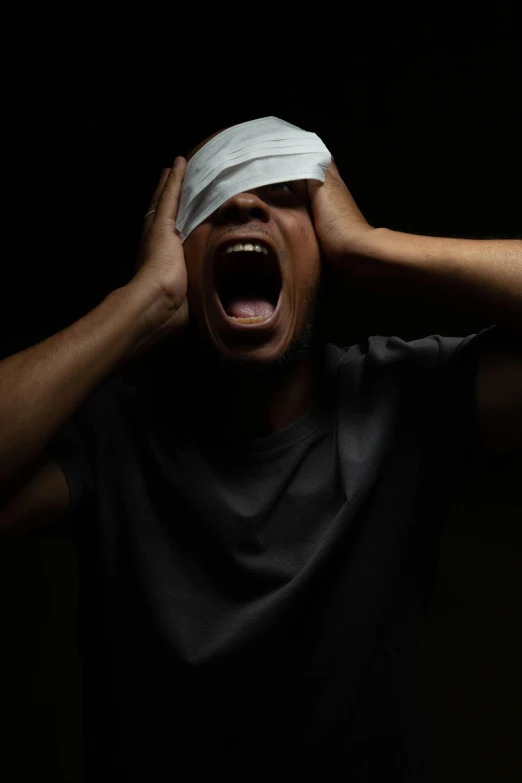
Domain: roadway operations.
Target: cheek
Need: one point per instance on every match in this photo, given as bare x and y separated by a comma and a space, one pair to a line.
305, 251
300, 231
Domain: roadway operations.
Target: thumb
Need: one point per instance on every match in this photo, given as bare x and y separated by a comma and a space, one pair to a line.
332, 177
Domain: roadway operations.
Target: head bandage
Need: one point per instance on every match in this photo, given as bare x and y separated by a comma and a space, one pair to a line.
247, 156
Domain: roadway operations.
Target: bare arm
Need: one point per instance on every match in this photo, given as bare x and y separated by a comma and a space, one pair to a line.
482, 274
43, 386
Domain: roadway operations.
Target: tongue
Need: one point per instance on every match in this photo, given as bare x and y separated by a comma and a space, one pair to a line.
249, 306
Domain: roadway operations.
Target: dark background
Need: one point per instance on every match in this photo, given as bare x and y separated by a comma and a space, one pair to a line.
423, 119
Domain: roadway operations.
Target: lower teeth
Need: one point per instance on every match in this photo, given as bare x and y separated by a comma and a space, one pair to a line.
252, 320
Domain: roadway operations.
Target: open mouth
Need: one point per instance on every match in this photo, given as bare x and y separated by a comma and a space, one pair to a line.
247, 282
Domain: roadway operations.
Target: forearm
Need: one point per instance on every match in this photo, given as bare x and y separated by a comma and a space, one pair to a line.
43, 386
482, 274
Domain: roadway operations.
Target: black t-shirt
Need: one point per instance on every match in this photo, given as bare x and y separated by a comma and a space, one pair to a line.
255, 612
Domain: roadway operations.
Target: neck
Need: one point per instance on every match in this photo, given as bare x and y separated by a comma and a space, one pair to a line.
237, 403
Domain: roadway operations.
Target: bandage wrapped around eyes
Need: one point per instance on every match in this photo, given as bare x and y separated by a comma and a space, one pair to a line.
244, 157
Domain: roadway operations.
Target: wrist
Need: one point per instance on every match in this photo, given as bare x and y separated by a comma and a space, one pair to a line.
362, 252
151, 312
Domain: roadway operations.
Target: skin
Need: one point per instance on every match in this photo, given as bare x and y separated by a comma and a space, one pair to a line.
247, 388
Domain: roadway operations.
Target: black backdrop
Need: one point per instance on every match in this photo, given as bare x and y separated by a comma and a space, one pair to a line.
422, 116
423, 119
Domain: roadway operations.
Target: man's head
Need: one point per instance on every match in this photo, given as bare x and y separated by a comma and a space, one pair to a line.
278, 218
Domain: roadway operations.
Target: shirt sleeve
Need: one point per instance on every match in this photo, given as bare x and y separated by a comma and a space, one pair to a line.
448, 367
69, 449
458, 363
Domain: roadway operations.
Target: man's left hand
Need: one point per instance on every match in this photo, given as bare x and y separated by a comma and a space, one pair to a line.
341, 228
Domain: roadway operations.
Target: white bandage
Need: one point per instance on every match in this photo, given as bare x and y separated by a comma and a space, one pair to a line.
247, 156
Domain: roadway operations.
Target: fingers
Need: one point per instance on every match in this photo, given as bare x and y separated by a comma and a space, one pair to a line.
169, 197
166, 196
332, 172
154, 200
332, 176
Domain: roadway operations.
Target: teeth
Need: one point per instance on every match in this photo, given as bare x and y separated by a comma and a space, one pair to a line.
252, 320
239, 247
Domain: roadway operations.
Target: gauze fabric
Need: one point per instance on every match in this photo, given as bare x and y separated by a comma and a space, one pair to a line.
247, 156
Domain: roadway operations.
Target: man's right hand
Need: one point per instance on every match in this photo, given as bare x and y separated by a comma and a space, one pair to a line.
160, 262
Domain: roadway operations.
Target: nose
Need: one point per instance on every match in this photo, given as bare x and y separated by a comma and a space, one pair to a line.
242, 208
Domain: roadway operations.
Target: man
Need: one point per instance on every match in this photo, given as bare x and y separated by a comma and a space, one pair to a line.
257, 518
264, 377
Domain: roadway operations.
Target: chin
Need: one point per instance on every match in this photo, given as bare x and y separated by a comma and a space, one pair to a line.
262, 361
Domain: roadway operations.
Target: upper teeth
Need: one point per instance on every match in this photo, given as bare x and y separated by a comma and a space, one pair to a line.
240, 246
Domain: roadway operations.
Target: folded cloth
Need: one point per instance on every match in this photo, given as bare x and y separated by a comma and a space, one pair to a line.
247, 156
